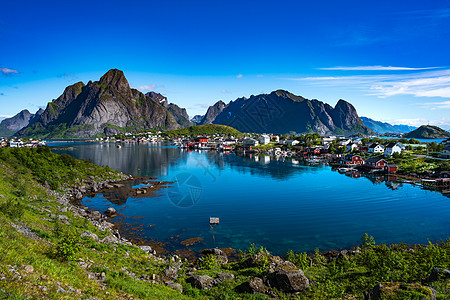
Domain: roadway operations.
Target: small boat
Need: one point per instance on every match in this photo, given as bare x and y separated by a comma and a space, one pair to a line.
213, 220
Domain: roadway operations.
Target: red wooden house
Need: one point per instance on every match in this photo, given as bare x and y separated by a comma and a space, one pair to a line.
375, 162
390, 168
351, 160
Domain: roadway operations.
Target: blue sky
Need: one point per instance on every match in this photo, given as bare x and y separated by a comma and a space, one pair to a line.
388, 58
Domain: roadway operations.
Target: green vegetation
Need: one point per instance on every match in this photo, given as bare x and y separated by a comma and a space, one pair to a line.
36, 230
208, 129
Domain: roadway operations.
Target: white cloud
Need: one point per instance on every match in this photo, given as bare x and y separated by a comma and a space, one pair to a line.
149, 87
239, 76
419, 84
225, 91
6, 71
376, 68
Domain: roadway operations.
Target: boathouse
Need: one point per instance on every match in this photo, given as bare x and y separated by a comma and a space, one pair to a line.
351, 160
390, 168
375, 162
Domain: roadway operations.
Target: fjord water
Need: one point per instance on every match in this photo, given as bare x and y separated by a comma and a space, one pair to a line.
281, 205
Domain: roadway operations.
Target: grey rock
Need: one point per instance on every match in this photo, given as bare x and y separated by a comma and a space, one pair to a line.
89, 234
175, 286
438, 274
61, 290
110, 239
170, 273
220, 256
221, 277
147, 249
28, 268
287, 277
253, 286
110, 212
203, 282
96, 215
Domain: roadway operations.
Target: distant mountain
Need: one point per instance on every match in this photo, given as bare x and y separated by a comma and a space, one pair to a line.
428, 132
383, 127
197, 119
180, 115
108, 106
213, 112
284, 112
9, 126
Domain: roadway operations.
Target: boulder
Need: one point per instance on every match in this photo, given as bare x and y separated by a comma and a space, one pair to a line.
170, 273
96, 215
110, 239
220, 256
110, 212
438, 274
396, 290
89, 234
147, 249
261, 258
287, 277
28, 268
253, 286
203, 282
175, 286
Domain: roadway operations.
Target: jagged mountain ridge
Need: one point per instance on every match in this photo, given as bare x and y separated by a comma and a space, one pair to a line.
104, 106
9, 126
284, 112
383, 127
180, 114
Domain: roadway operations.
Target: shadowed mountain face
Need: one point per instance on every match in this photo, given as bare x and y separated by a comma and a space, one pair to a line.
11, 125
102, 106
283, 112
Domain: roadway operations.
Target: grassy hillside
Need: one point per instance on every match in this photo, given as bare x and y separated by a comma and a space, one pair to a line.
428, 132
208, 129
44, 256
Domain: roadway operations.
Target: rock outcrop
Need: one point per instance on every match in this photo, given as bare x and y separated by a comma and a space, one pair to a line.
102, 106
283, 112
9, 126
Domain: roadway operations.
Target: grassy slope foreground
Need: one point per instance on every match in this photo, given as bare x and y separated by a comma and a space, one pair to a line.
44, 256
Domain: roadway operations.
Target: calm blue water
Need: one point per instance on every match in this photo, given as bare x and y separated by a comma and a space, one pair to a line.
281, 205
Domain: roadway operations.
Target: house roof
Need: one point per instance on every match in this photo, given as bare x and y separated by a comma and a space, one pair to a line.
373, 159
373, 145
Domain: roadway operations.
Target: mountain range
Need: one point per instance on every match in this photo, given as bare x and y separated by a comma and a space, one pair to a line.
383, 127
283, 112
109, 106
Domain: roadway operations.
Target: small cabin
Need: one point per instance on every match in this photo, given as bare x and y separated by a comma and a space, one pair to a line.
375, 162
390, 168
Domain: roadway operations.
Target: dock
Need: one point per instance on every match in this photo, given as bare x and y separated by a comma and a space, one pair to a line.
213, 220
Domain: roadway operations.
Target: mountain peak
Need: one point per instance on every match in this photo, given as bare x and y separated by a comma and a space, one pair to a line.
115, 78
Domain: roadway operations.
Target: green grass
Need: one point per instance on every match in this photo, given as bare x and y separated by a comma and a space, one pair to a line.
208, 129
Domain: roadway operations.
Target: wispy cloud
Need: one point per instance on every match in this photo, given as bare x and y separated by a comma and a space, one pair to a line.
8, 72
224, 91
376, 68
419, 84
151, 87
239, 76
439, 13
69, 76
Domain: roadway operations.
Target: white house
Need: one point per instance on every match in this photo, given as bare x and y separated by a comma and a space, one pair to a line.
351, 146
250, 143
292, 142
345, 142
264, 139
376, 148
446, 151
392, 148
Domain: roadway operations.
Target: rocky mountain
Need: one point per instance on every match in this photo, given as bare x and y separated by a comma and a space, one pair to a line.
197, 119
383, 127
283, 112
428, 132
213, 112
107, 106
158, 98
180, 115
9, 126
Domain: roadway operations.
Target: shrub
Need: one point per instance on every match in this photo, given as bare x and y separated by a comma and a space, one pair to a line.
13, 209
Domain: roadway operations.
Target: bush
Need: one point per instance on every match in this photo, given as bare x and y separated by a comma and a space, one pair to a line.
13, 209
